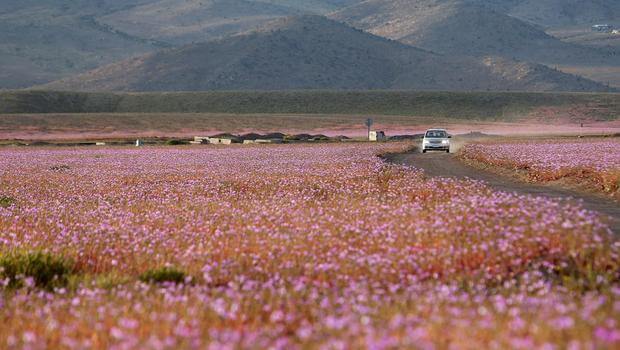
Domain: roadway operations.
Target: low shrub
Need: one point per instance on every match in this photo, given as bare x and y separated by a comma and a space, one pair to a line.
175, 142
60, 168
110, 281
321, 137
163, 275
42, 270
6, 201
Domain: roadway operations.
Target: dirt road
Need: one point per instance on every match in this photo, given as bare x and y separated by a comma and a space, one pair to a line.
446, 165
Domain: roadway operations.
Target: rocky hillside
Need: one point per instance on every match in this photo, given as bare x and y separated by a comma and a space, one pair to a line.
312, 52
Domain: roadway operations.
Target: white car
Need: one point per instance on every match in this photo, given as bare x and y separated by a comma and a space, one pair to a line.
436, 140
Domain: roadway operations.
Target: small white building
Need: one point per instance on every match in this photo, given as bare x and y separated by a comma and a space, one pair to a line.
268, 141
375, 136
198, 140
262, 141
219, 141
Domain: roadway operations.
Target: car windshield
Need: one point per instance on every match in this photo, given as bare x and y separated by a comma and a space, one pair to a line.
436, 134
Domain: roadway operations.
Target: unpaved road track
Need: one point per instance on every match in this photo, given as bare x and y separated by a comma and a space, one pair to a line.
446, 165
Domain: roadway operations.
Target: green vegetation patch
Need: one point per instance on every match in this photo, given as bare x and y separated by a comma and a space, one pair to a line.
164, 275
6, 201
60, 168
176, 142
35, 269
464, 105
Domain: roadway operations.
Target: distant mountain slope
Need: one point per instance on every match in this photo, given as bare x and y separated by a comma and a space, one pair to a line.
312, 52
187, 21
70, 6
554, 13
312, 6
462, 27
47, 40
44, 40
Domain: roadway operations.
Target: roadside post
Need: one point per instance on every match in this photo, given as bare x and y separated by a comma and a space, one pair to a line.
369, 123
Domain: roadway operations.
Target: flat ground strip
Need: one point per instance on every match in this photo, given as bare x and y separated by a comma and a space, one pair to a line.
295, 246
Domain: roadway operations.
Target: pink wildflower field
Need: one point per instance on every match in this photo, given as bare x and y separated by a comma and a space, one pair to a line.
294, 247
597, 162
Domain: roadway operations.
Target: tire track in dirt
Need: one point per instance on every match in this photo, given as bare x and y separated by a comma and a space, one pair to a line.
447, 165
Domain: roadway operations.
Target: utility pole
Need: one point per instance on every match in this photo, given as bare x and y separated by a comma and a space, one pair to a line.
369, 123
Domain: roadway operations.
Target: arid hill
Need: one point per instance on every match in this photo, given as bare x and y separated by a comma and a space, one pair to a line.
46, 40
555, 13
312, 52
182, 22
187, 21
479, 28
460, 27
311, 6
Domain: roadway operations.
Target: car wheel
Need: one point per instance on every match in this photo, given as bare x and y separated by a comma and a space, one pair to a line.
423, 151
447, 151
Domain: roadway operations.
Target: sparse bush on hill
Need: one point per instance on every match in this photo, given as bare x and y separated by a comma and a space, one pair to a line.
34, 269
163, 275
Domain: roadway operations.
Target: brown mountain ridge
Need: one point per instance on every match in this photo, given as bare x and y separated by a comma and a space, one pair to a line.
313, 52
46, 40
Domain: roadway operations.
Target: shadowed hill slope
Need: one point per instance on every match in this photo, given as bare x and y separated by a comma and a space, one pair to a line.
312, 52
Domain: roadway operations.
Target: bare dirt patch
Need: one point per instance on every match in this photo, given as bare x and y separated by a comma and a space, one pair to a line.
81, 126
